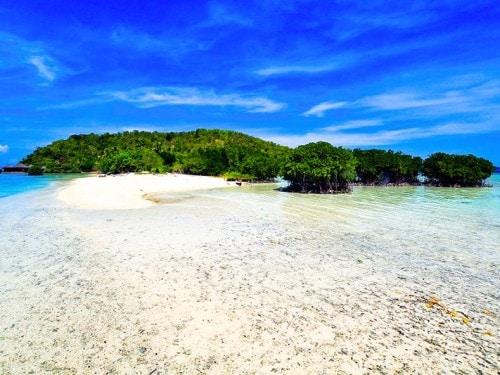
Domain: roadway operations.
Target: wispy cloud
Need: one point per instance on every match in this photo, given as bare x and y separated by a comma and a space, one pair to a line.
100, 99
150, 97
383, 137
29, 61
155, 97
481, 98
127, 37
296, 69
404, 100
44, 67
367, 19
220, 15
18, 54
488, 89
320, 109
353, 124
305, 59
4, 149
173, 45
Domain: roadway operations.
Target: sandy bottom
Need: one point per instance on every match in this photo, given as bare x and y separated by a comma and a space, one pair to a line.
244, 282
131, 191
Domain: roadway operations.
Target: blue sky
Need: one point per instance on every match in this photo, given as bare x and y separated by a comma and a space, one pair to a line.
419, 76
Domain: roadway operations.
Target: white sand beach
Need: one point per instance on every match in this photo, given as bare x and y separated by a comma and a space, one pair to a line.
246, 280
131, 191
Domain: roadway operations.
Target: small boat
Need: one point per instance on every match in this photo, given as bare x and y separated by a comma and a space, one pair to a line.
238, 182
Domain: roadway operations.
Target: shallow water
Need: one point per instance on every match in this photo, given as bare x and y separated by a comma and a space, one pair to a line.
15, 183
254, 280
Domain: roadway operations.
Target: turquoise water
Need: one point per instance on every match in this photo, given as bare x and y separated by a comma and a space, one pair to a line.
15, 183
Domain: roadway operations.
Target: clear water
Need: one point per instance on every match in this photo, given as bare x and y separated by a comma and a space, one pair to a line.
324, 279
15, 183
372, 205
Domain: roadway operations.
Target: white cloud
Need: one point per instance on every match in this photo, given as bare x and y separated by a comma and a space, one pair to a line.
43, 67
320, 109
353, 124
4, 149
155, 97
399, 101
291, 69
17, 53
396, 101
480, 98
383, 137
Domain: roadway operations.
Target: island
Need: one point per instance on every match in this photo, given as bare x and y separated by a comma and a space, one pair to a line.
312, 168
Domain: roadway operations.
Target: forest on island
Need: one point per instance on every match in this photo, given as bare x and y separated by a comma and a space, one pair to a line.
205, 152
315, 167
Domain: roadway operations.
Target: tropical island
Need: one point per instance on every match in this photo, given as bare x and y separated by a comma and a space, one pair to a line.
312, 168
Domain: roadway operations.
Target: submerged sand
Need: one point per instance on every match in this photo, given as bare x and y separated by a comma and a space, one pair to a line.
247, 281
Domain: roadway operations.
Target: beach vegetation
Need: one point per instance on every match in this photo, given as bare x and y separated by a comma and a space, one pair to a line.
320, 168
381, 167
441, 169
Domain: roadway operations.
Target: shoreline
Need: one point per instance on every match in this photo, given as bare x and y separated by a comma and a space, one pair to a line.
132, 191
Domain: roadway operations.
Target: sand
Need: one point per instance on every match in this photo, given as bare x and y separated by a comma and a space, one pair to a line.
247, 281
131, 191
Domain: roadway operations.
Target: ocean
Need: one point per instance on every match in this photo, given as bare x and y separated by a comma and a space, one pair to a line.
15, 183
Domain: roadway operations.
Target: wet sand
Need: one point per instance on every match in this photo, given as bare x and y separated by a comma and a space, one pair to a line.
248, 281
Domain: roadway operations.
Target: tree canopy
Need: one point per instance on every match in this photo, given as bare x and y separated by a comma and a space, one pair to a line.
320, 168
376, 167
443, 169
315, 167
205, 152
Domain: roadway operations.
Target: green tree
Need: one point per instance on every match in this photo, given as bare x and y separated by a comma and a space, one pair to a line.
382, 167
35, 170
443, 169
207, 152
131, 161
320, 168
